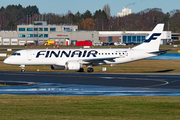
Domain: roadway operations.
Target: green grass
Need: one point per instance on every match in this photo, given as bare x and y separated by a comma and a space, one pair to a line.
89, 107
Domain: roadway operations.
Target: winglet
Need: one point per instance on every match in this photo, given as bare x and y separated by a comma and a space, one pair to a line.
153, 40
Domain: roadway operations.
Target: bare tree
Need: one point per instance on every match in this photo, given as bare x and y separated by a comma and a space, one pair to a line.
107, 10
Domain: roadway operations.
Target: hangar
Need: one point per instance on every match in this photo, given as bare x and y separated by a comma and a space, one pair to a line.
40, 31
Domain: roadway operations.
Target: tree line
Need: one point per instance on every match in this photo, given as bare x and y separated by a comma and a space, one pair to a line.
100, 20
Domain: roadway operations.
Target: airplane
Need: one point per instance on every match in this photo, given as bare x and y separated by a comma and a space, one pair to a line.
75, 59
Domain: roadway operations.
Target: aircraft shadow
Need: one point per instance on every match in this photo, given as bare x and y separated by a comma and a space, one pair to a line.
169, 70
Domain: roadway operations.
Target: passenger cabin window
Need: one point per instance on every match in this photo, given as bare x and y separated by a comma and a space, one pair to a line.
16, 54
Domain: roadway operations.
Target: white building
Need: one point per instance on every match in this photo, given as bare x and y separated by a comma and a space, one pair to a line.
40, 31
125, 11
129, 37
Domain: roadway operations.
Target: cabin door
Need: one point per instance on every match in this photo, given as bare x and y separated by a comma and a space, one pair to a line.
29, 55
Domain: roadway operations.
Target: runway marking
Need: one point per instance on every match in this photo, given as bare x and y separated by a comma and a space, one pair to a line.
166, 83
143, 79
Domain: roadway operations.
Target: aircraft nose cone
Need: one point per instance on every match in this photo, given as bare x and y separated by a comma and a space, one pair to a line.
6, 61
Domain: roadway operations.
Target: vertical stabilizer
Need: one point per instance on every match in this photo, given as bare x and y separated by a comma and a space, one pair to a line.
152, 42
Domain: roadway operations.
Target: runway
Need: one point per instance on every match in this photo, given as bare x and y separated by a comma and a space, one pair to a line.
96, 84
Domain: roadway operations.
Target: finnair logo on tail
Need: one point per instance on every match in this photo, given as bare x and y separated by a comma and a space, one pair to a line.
153, 37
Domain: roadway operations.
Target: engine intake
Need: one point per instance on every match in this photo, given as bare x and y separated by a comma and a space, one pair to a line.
73, 65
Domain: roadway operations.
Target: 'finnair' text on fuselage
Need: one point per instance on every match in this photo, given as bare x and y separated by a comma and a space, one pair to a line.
85, 53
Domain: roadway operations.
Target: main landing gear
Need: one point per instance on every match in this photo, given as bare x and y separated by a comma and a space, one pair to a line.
22, 68
81, 70
90, 69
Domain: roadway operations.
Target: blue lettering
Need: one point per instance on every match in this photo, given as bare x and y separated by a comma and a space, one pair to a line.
39, 53
84, 54
76, 52
56, 55
92, 52
47, 54
67, 55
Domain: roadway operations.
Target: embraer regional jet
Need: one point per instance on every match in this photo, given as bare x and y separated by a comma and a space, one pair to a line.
75, 59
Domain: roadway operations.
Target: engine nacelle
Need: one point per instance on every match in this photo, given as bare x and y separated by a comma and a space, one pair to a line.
57, 67
73, 65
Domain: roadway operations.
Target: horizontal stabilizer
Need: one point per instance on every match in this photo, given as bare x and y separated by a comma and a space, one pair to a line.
160, 52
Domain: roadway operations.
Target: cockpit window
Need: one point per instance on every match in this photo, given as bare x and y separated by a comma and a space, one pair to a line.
16, 54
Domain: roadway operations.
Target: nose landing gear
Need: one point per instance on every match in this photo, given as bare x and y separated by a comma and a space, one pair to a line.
22, 68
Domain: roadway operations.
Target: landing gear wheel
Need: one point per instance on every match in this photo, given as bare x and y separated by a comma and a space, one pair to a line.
22, 68
81, 70
90, 70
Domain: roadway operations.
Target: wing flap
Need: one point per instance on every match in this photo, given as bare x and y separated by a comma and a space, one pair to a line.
99, 59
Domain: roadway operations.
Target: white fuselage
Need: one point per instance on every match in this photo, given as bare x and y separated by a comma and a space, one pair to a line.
61, 56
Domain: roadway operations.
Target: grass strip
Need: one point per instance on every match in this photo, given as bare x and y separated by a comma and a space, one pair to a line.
142, 66
89, 107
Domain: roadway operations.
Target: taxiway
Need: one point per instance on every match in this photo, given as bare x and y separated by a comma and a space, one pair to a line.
57, 83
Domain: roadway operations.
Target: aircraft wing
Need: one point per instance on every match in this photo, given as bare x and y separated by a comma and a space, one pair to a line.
96, 60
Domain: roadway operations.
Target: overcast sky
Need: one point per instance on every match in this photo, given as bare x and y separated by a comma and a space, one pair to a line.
62, 6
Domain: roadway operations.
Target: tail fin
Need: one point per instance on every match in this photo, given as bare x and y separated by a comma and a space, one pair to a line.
153, 40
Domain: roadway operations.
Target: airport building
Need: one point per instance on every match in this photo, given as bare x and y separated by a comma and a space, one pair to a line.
61, 34
131, 37
40, 31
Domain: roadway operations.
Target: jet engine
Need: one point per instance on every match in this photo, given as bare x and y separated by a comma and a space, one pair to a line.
73, 66
57, 67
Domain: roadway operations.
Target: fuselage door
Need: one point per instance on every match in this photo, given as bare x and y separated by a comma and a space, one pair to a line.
29, 55
132, 53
